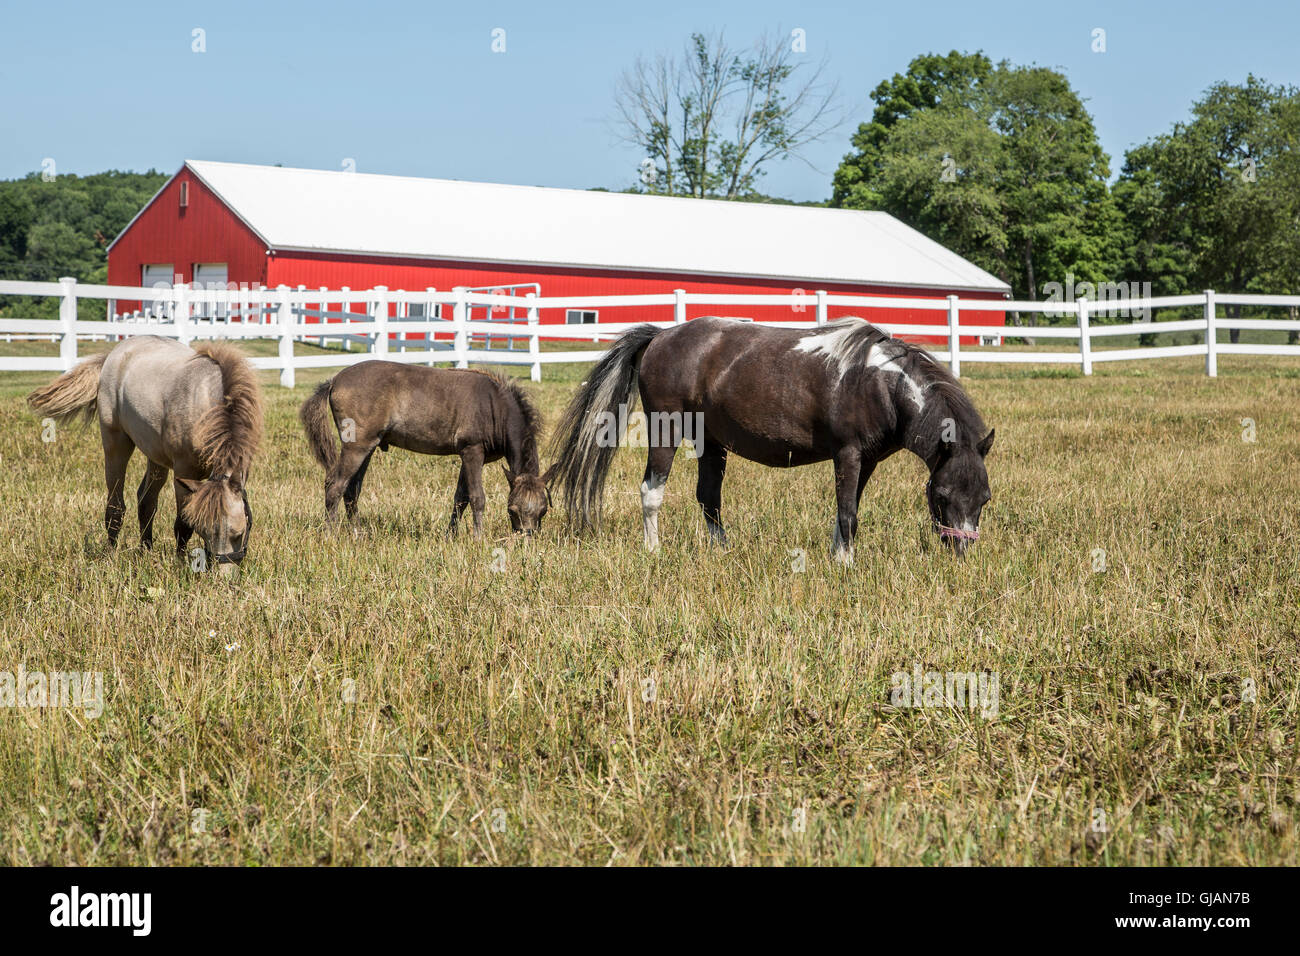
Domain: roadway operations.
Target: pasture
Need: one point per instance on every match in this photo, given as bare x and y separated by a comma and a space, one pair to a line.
391, 696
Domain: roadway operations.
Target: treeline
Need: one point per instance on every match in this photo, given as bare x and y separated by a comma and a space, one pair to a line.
61, 226
1001, 163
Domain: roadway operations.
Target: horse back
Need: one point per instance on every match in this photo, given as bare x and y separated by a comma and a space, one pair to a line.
427, 410
763, 392
153, 391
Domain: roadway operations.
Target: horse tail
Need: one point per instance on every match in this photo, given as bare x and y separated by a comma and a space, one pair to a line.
586, 437
73, 393
316, 421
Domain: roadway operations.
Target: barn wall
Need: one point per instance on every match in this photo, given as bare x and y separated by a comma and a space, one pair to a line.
205, 231
333, 272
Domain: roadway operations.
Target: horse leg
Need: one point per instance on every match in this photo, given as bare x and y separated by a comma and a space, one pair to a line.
658, 465
354, 457
460, 501
117, 452
353, 490
155, 476
848, 470
865, 468
181, 529
471, 466
708, 487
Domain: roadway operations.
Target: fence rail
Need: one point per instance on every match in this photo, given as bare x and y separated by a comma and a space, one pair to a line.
286, 315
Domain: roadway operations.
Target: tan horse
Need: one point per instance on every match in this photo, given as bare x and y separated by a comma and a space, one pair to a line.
195, 412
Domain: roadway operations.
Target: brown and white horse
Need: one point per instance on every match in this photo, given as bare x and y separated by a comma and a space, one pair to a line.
194, 412
845, 392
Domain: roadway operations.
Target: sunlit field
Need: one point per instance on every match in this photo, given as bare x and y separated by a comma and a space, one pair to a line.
392, 696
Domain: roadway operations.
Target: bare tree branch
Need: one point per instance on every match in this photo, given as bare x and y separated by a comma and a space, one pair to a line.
711, 120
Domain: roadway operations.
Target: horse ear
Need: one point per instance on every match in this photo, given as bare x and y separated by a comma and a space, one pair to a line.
510, 475
549, 474
191, 485
986, 443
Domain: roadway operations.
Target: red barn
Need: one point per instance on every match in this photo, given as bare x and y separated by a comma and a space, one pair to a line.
267, 225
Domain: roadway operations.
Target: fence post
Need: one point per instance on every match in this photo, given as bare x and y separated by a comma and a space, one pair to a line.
324, 307
1085, 344
679, 306
68, 318
286, 339
181, 317
430, 308
460, 346
346, 308
954, 336
403, 310
1211, 335
380, 347
534, 341
821, 306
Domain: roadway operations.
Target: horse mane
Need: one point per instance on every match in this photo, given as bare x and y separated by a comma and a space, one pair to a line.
933, 377
515, 393
938, 379
229, 433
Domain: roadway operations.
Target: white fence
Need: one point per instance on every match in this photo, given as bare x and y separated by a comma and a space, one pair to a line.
285, 315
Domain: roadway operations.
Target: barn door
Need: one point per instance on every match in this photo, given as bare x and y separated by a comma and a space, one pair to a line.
155, 276
210, 275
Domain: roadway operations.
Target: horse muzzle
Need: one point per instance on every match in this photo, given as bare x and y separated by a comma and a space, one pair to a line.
959, 539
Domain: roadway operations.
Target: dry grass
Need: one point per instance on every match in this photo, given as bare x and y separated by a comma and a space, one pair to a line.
517, 698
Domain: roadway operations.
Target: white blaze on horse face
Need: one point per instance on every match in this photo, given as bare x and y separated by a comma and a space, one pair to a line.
884, 361
652, 499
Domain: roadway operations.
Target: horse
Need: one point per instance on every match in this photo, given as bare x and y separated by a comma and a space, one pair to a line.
194, 412
477, 415
846, 392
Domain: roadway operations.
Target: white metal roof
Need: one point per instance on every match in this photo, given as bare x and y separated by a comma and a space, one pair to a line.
359, 213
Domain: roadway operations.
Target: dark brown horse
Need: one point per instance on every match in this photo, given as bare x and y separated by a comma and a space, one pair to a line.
194, 412
845, 392
479, 416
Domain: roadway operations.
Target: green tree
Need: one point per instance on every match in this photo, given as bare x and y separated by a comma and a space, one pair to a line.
1001, 164
1214, 201
62, 227
931, 81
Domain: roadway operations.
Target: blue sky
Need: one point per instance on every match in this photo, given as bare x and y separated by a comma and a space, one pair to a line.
414, 88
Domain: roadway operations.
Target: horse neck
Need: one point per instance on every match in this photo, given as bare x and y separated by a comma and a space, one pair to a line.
518, 443
922, 430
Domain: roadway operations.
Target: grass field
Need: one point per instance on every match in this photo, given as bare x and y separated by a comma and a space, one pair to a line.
387, 697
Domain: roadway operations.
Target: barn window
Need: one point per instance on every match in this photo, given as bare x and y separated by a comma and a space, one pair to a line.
185, 195
416, 310
580, 317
